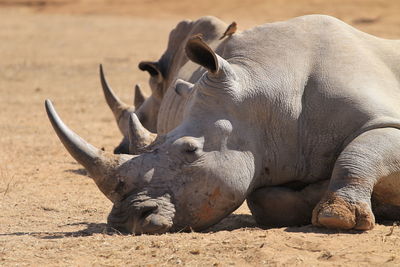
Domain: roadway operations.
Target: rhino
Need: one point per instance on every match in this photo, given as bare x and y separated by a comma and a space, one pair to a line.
172, 64
299, 117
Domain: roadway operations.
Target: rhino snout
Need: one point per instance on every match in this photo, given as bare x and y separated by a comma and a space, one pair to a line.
154, 224
148, 221
140, 218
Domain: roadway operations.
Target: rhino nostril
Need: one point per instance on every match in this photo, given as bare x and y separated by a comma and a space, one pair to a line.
147, 210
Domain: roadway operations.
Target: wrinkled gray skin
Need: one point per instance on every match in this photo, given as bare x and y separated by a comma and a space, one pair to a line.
173, 64
306, 109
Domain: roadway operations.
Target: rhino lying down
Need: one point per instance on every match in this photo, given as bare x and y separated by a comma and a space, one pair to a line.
172, 64
310, 101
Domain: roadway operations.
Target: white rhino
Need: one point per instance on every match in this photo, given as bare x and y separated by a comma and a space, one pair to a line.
172, 64
290, 115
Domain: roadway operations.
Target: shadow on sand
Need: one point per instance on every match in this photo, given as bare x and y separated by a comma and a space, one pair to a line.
82, 171
320, 230
91, 229
232, 222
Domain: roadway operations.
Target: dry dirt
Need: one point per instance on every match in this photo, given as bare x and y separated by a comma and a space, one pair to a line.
52, 213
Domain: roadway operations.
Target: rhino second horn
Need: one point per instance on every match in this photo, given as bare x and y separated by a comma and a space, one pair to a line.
139, 137
139, 96
116, 105
96, 162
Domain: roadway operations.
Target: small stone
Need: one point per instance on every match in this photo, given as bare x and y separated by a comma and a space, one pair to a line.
195, 252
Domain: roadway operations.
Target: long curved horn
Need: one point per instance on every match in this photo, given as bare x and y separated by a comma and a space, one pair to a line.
98, 163
139, 137
116, 105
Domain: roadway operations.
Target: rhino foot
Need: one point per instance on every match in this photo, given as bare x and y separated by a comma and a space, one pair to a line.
335, 212
279, 207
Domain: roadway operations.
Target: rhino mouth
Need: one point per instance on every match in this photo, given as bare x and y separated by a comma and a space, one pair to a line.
142, 215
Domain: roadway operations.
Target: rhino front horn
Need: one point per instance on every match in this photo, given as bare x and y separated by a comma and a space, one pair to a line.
98, 163
116, 105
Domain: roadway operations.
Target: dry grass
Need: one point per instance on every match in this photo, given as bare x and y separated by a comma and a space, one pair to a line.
5, 183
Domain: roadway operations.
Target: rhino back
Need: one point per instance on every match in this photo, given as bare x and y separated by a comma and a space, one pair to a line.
312, 84
353, 87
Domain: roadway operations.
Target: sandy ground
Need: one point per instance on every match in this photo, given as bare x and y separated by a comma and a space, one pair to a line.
52, 213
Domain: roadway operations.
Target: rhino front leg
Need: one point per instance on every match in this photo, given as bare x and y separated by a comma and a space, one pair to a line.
371, 162
280, 206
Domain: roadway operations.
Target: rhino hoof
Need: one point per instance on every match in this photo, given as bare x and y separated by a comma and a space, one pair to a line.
336, 213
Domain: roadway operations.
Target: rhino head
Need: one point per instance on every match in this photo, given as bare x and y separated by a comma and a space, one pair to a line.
172, 64
146, 109
190, 178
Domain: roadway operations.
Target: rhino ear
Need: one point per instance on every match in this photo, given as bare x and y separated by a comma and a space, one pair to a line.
139, 97
199, 52
183, 88
153, 68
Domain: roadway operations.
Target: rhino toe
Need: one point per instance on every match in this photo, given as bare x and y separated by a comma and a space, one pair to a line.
335, 212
